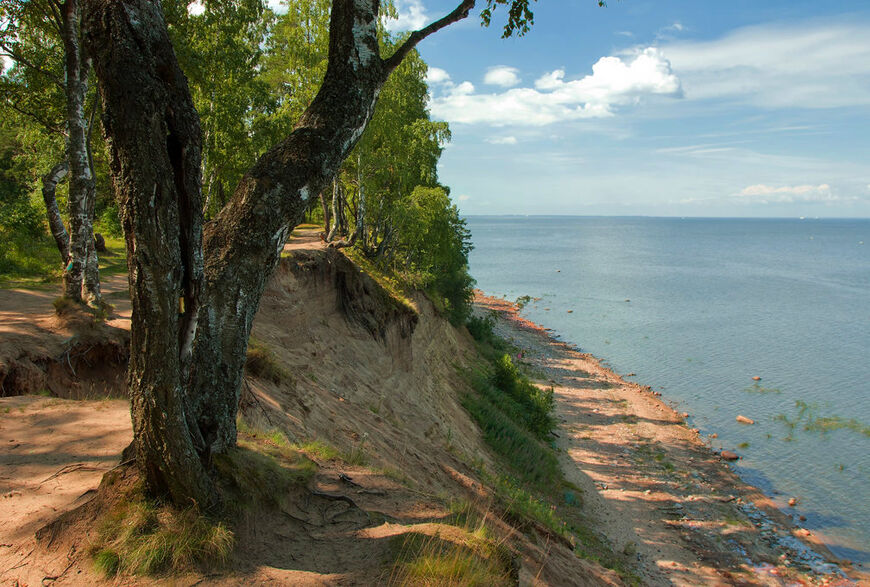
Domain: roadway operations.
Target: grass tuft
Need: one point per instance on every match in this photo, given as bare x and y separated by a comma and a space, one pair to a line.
141, 537
473, 560
262, 363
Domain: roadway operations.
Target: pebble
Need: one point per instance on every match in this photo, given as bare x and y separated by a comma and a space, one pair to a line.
729, 455
684, 415
792, 501
756, 378
745, 420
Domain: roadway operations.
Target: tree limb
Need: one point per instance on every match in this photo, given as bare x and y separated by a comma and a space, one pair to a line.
458, 14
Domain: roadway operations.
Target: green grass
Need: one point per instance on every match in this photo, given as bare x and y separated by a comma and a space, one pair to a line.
34, 263
28, 262
115, 261
388, 282
262, 363
530, 459
474, 560
142, 537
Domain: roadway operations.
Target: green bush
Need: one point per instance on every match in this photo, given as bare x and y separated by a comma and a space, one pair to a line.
533, 461
535, 404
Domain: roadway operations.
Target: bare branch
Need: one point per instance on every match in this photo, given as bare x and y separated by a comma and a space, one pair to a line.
458, 14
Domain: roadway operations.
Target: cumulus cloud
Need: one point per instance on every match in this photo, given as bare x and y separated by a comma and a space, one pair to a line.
502, 140
412, 16
463, 89
614, 82
807, 66
502, 75
436, 75
789, 193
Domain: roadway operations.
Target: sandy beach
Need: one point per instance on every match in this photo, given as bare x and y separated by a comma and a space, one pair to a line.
654, 485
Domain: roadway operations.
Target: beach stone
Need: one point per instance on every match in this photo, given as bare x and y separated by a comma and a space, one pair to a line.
745, 420
792, 501
729, 455
756, 378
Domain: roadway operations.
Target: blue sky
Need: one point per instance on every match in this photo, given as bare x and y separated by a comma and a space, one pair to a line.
667, 108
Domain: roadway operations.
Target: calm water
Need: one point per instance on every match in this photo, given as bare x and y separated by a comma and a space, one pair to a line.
714, 302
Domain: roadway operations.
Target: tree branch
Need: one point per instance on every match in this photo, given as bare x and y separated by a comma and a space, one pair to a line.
14, 55
458, 14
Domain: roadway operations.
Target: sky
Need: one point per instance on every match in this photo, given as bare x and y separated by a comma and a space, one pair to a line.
658, 108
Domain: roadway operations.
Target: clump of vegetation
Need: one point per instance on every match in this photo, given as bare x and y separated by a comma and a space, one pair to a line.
475, 559
520, 505
142, 537
523, 301
261, 362
320, 450
807, 419
534, 404
526, 455
758, 388
481, 329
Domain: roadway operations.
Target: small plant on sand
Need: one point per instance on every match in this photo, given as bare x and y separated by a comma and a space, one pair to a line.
141, 537
464, 555
319, 450
357, 456
261, 362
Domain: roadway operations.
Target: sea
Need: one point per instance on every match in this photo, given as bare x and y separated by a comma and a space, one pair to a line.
698, 307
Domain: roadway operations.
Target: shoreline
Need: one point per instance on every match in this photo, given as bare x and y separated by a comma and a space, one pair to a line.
654, 485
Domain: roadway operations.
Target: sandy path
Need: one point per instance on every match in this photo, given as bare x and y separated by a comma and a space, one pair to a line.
52, 452
653, 485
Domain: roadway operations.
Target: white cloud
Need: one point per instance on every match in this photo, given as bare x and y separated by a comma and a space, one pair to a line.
463, 89
463, 198
550, 81
790, 193
412, 16
5, 63
807, 66
614, 82
436, 75
502, 75
502, 140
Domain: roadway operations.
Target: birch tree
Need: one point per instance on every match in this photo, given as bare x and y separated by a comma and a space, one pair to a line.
43, 40
196, 287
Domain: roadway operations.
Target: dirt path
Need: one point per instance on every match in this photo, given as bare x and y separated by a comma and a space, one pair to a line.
53, 452
654, 486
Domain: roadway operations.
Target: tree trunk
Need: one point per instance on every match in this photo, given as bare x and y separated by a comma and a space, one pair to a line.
55, 222
195, 290
335, 230
327, 217
360, 205
78, 282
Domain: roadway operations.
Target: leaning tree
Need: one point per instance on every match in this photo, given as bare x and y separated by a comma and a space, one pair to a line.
195, 286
